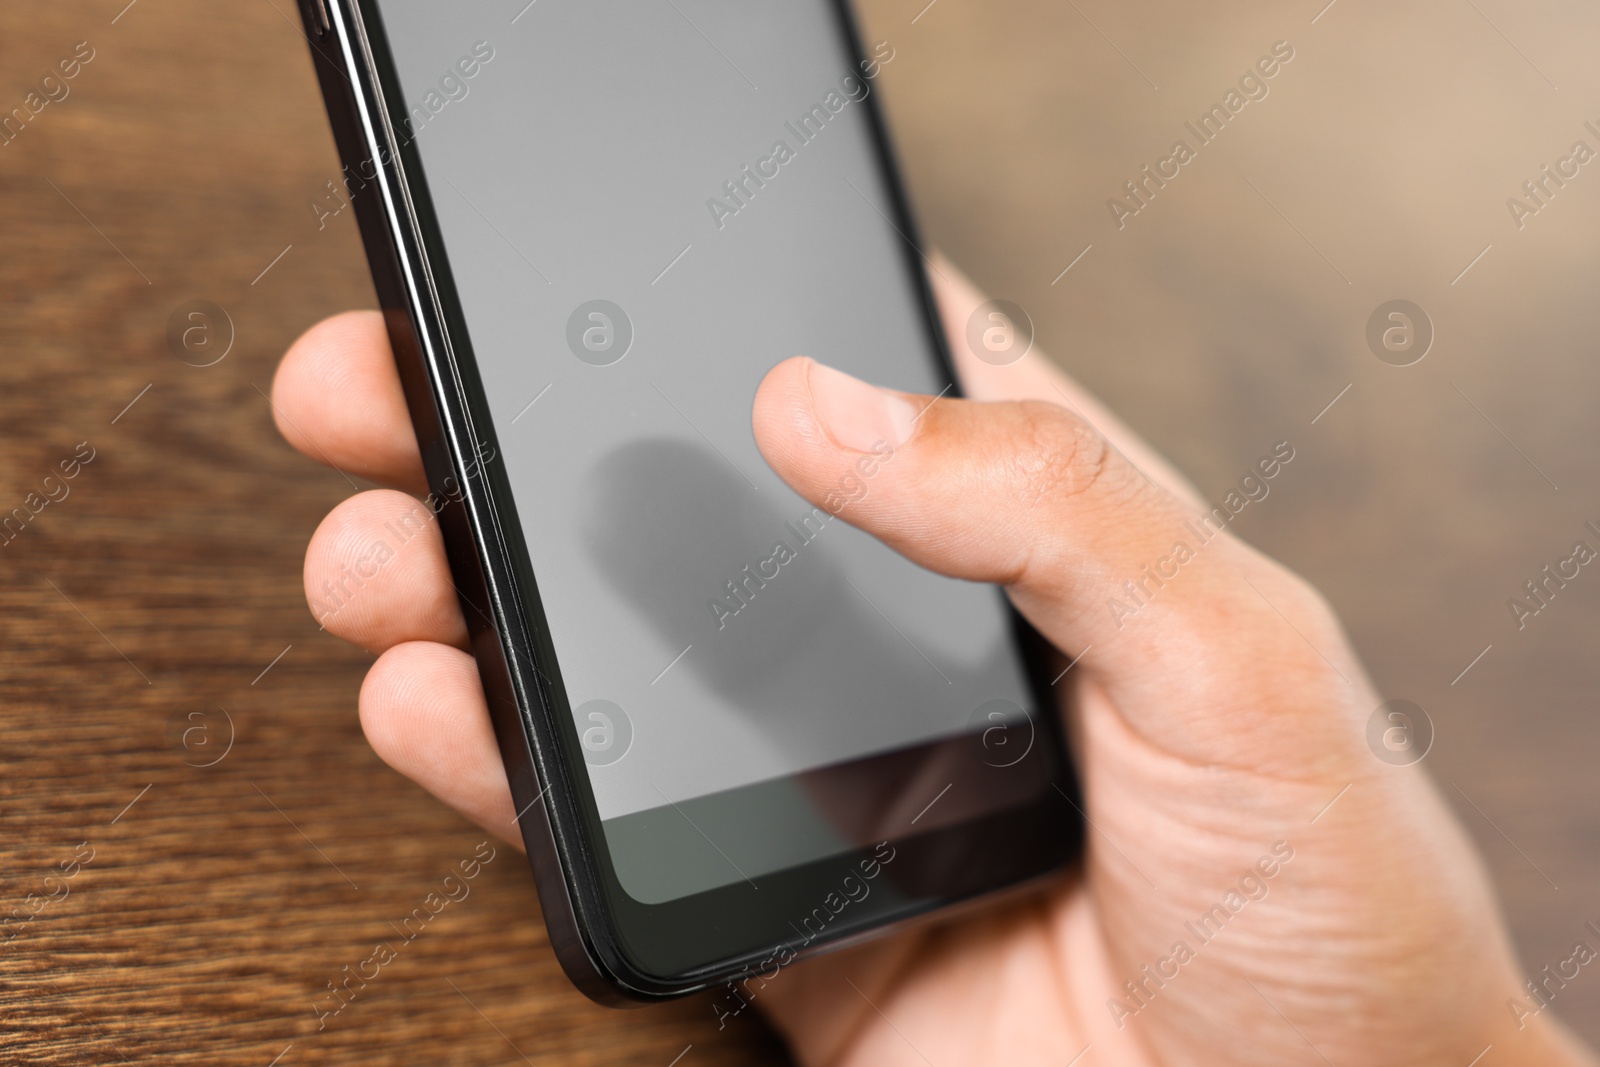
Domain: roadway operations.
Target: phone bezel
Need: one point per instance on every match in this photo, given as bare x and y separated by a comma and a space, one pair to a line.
595, 927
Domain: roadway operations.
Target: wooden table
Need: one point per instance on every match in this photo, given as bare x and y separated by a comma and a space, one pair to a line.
159, 602
182, 739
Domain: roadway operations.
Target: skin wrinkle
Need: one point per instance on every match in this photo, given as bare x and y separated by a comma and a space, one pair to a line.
1173, 759
1050, 581
1239, 612
1203, 691
1054, 453
1061, 561
1055, 472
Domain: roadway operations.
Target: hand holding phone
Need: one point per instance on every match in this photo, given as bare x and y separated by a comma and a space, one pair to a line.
720, 705
1211, 740
752, 695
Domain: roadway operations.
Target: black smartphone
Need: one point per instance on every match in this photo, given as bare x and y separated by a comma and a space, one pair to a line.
738, 731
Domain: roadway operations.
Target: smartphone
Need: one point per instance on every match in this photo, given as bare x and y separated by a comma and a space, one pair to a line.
738, 731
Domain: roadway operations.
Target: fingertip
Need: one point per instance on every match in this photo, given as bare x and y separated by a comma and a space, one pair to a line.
784, 383
320, 359
393, 703
376, 575
385, 689
336, 397
423, 712
782, 416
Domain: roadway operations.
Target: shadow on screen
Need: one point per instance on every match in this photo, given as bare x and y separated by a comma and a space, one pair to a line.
776, 629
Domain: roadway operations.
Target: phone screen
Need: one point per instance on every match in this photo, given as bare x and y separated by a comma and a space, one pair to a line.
644, 208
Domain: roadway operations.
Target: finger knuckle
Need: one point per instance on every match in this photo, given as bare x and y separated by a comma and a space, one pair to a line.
1055, 453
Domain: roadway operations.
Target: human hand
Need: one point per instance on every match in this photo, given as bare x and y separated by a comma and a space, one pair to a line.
1219, 728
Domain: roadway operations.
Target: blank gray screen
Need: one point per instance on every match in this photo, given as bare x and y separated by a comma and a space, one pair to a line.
582, 160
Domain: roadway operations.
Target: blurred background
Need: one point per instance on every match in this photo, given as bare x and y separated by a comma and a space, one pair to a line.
195, 839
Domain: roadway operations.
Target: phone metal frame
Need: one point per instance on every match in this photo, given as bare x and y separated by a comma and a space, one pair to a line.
490, 563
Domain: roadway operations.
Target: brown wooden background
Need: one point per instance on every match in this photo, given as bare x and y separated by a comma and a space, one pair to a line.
139, 615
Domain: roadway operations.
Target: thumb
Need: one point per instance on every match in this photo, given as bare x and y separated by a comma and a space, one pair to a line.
1168, 612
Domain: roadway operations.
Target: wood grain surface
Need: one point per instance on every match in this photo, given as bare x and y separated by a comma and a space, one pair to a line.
142, 612
194, 838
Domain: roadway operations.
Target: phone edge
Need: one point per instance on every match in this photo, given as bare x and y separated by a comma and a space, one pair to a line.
426, 364
358, 121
